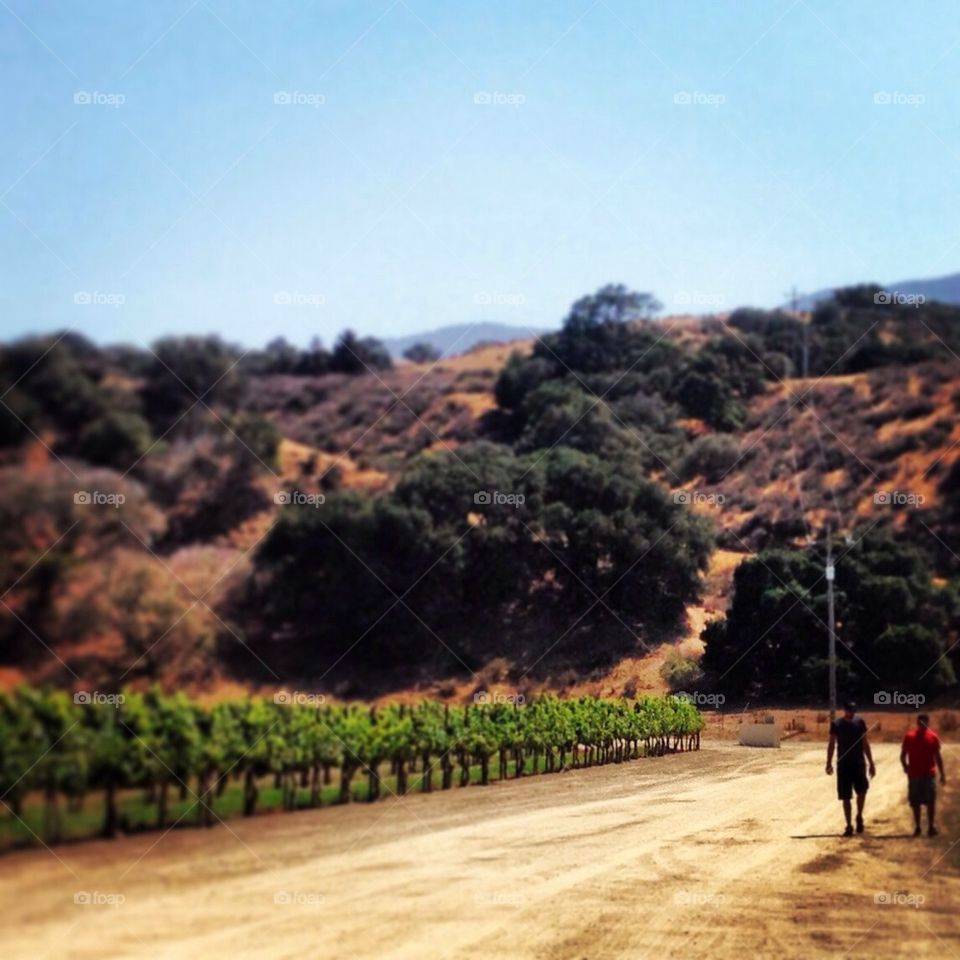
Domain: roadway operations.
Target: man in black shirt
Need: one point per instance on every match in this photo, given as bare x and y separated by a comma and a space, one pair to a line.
848, 736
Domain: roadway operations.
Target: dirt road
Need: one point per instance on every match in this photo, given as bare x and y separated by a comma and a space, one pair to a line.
727, 853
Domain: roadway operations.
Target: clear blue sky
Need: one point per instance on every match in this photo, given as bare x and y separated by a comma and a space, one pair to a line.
400, 204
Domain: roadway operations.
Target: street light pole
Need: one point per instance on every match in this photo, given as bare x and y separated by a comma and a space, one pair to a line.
831, 626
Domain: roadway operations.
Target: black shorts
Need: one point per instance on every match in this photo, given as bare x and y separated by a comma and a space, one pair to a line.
851, 780
921, 790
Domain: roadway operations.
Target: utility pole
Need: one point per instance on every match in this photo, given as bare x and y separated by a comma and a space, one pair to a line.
805, 344
831, 626
793, 298
806, 349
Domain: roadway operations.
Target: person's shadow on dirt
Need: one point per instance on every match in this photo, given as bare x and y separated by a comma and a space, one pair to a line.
865, 836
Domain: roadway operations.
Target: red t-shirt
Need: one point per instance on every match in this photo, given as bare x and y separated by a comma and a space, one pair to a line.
921, 747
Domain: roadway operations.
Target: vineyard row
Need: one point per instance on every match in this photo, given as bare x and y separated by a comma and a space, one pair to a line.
56, 747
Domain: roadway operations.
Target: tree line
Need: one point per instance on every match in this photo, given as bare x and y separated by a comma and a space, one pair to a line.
896, 625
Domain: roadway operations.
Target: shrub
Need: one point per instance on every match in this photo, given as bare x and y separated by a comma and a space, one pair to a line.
916, 409
421, 353
708, 397
710, 457
257, 440
186, 373
116, 439
896, 447
680, 673
356, 355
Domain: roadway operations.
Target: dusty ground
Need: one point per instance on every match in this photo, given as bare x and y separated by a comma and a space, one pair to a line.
808, 724
727, 853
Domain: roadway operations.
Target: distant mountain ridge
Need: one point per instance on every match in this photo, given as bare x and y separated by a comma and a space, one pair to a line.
460, 337
945, 289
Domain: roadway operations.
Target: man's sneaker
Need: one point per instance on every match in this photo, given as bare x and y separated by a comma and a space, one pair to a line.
917, 831
859, 824
932, 832
849, 831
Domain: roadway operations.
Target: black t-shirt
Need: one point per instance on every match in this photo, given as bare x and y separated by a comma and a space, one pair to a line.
849, 734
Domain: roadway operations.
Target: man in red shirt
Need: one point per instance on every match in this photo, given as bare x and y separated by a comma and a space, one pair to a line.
920, 758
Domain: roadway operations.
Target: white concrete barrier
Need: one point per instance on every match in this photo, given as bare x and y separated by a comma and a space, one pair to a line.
759, 735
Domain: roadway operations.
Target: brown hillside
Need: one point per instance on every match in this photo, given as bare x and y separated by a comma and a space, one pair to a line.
808, 449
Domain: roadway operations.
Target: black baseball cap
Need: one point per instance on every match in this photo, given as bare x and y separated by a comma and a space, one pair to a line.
850, 706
